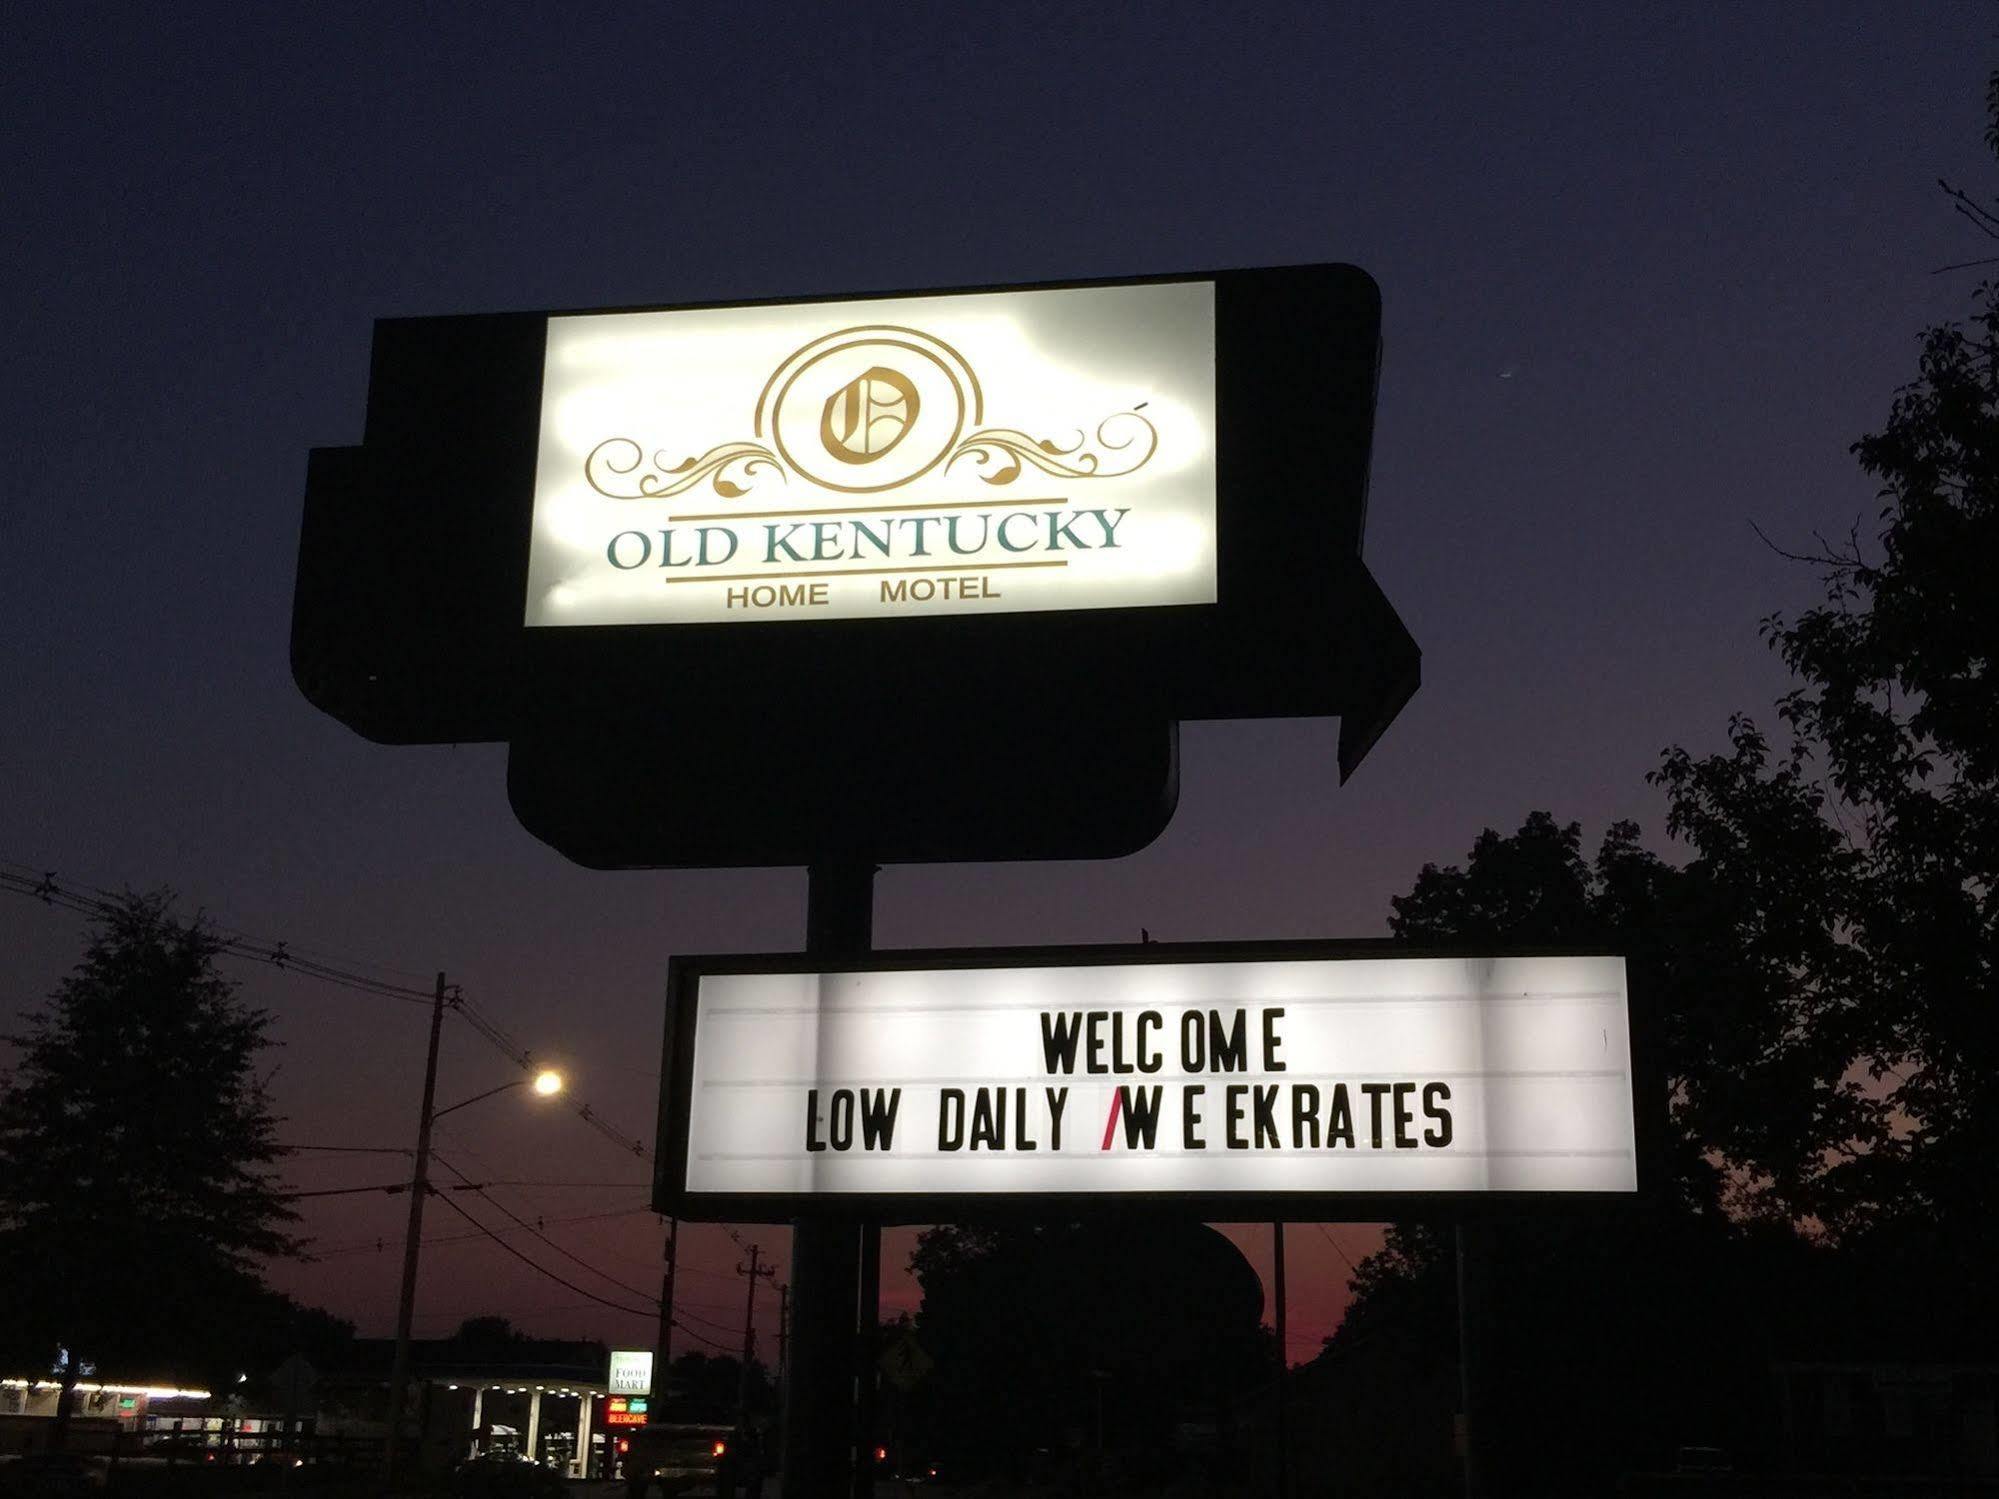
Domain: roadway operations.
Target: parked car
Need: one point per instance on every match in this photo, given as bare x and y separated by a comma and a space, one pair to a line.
678, 1459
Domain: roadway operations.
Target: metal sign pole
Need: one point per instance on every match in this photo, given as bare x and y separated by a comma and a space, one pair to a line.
1468, 1374
818, 1447
866, 1377
1283, 1361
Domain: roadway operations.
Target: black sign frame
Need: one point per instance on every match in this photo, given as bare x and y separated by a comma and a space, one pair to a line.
672, 1198
638, 745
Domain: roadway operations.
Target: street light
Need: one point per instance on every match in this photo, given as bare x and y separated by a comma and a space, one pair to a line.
546, 1084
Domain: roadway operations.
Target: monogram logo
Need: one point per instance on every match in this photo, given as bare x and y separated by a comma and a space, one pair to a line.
865, 418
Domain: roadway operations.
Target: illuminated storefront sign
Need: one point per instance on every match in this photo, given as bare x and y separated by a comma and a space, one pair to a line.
623, 1410
990, 452
631, 1371
1275, 1079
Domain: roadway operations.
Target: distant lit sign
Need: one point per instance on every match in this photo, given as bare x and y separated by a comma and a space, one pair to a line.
623, 1411
992, 452
631, 1371
1276, 1079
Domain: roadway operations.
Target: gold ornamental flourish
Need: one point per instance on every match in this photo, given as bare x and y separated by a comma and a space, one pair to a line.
864, 421
1012, 450
613, 459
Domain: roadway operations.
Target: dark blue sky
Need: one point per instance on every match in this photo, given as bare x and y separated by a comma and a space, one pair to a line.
1647, 272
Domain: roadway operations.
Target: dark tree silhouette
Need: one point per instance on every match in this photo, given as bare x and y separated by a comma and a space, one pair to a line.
1039, 1332
1610, 1337
1825, 968
1893, 763
136, 1146
1756, 1085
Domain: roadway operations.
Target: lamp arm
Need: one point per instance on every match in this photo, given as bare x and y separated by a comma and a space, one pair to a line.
518, 1082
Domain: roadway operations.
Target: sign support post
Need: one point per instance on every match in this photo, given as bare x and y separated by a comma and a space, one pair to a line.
1468, 1428
867, 1379
819, 1439
1283, 1361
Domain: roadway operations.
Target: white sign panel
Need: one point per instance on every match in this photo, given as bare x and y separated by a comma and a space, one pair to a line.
1365, 1075
631, 1371
983, 453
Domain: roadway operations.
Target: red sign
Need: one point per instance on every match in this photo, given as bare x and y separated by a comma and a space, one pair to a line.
621, 1413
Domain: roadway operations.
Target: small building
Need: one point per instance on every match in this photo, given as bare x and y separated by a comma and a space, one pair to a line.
537, 1398
106, 1414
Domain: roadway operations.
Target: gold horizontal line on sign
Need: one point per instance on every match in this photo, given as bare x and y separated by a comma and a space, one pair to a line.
994, 504
862, 572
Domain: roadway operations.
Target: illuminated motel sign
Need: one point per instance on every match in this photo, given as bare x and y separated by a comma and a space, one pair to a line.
1304, 1080
993, 452
660, 552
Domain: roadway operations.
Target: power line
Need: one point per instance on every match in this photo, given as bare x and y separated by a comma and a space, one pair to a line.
218, 917
52, 891
570, 1284
509, 1212
345, 1191
48, 888
628, 1186
722, 1327
541, 1268
716, 1274
1326, 1234
382, 1244
701, 1337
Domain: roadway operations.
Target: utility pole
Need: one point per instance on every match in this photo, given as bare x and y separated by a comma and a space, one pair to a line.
755, 1273
419, 1189
663, 1342
783, 1327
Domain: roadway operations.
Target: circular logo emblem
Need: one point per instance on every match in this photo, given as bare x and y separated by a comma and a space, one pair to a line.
869, 415
868, 409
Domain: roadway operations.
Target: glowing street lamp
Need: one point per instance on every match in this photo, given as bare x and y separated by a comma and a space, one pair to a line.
546, 1084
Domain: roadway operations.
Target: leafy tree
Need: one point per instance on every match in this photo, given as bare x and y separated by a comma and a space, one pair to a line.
1755, 1084
1893, 764
1639, 1324
1824, 970
136, 1146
